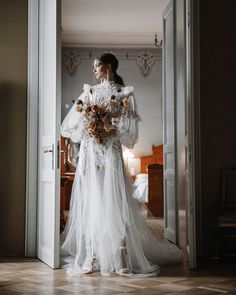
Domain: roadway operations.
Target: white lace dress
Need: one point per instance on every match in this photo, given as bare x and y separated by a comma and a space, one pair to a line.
103, 213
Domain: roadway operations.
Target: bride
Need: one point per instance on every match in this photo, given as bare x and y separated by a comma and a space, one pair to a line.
105, 229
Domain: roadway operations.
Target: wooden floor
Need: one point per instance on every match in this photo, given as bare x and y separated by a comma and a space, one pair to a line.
31, 276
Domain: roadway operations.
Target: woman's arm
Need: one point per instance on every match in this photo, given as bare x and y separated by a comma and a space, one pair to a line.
128, 126
73, 124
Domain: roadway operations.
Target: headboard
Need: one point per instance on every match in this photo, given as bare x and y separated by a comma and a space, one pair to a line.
155, 158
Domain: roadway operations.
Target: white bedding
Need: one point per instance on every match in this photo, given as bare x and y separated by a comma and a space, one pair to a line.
141, 188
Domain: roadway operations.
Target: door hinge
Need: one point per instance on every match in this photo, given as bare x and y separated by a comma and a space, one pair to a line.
189, 19
190, 148
58, 154
190, 152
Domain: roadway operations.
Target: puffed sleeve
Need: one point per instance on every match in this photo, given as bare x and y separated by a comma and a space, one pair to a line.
128, 125
73, 124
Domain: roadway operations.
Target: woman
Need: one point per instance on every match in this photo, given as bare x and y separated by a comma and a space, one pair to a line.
105, 229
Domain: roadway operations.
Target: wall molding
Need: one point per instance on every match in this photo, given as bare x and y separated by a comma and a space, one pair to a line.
105, 38
71, 59
145, 61
144, 58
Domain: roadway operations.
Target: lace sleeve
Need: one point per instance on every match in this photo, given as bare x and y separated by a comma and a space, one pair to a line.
128, 126
73, 125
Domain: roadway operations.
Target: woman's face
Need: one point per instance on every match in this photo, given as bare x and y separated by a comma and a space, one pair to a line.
100, 69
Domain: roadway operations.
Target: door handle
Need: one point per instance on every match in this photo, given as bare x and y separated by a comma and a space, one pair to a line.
50, 149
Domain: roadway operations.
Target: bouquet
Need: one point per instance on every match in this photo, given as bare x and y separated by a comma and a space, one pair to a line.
101, 120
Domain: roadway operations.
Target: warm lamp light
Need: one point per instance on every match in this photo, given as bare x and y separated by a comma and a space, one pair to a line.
127, 155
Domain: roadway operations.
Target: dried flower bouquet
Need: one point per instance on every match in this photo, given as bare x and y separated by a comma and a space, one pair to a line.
102, 120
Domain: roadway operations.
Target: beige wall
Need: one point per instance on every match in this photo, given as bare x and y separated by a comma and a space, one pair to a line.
13, 111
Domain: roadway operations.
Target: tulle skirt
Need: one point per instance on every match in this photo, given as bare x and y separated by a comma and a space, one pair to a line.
104, 216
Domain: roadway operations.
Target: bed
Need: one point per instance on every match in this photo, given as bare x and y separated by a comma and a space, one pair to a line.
141, 187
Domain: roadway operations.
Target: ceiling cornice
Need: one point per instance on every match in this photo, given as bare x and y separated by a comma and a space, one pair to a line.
109, 39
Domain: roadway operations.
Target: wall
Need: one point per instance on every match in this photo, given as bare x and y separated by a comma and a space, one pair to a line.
148, 91
13, 92
217, 107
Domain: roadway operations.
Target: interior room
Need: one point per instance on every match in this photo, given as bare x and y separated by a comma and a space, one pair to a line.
136, 39
22, 272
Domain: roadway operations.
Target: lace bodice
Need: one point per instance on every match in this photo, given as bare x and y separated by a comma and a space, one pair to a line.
103, 92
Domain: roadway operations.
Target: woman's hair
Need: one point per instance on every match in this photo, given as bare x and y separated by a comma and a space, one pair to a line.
108, 58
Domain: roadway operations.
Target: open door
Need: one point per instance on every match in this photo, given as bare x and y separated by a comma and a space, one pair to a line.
49, 124
169, 117
189, 144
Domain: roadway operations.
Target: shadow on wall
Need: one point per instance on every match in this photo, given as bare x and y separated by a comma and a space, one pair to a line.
13, 128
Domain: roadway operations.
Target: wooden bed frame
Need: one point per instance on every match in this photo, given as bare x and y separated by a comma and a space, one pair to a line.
153, 165
155, 158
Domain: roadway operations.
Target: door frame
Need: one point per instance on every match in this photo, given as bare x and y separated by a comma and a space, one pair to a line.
32, 130
32, 123
170, 176
194, 112
191, 144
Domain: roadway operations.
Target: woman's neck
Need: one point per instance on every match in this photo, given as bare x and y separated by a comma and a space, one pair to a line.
109, 77
107, 80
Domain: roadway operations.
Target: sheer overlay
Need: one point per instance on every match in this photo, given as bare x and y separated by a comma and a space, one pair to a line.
104, 217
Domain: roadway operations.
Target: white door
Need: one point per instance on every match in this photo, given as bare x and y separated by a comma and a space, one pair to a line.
49, 123
189, 168
169, 116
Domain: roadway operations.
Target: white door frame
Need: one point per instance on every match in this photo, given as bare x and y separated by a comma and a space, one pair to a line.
170, 168
32, 129
32, 120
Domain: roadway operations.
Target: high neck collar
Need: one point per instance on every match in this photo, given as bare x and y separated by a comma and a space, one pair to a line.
108, 82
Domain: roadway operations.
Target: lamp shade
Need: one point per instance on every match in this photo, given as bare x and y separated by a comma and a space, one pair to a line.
127, 154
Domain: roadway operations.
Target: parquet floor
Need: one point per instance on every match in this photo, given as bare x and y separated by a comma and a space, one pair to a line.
31, 276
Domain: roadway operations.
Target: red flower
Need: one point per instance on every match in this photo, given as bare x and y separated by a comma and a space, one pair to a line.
95, 109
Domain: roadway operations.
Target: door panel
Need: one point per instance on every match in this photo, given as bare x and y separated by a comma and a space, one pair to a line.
169, 115
49, 122
189, 144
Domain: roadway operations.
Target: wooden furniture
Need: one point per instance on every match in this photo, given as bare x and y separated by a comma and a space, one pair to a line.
67, 178
155, 158
133, 177
226, 221
155, 190
153, 165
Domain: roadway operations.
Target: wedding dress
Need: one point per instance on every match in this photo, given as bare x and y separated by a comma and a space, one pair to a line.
104, 218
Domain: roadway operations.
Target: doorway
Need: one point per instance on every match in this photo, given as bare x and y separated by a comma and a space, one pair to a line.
80, 63
139, 52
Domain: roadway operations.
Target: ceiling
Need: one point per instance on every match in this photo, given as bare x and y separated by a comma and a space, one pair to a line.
119, 23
